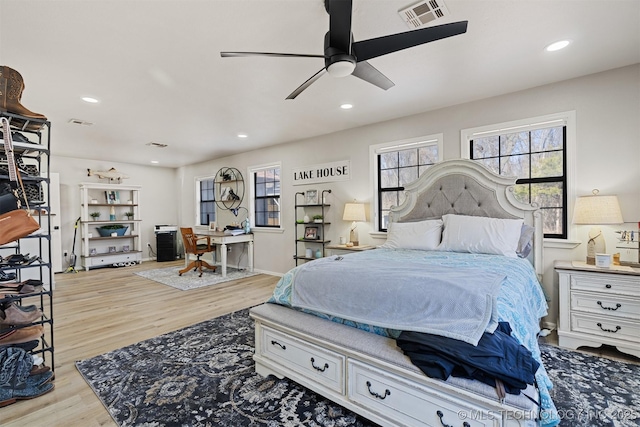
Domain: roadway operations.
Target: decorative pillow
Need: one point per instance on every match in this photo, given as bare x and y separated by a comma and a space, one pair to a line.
525, 244
477, 234
424, 235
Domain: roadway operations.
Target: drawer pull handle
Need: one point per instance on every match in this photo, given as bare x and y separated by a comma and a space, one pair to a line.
376, 395
273, 342
324, 368
440, 415
609, 330
609, 308
608, 286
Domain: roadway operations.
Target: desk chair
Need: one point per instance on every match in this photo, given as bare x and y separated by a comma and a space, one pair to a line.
191, 246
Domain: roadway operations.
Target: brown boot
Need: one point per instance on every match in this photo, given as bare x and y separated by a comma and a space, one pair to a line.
15, 315
18, 336
11, 87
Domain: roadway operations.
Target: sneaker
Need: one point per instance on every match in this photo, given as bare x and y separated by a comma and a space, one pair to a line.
7, 277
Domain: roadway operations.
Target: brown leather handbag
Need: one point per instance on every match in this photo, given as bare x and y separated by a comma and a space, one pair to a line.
17, 223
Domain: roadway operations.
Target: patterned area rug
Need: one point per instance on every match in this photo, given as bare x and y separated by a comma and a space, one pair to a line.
190, 280
203, 376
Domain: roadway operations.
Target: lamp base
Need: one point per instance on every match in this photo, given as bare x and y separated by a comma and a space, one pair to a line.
353, 237
595, 245
591, 260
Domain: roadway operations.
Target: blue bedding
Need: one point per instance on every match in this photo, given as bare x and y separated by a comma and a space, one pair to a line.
521, 300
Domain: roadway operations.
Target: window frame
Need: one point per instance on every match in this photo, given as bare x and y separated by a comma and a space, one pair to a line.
566, 119
251, 171
198, 183
375, 150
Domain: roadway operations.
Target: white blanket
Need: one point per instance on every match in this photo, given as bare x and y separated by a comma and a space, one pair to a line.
458, 303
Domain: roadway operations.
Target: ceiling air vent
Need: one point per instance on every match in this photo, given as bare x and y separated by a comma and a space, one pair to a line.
423, 13
156, 144
79, 122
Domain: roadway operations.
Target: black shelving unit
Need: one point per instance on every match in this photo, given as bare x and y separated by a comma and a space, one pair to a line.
33, 147
303, 243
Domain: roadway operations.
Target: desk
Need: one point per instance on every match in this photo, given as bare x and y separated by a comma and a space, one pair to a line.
221, 240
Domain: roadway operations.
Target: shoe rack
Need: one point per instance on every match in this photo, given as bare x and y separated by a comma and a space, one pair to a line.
32, 144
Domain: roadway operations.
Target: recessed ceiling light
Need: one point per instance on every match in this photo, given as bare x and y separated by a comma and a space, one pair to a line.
89, 99
242, 135
155, 162
557, 45
346, 106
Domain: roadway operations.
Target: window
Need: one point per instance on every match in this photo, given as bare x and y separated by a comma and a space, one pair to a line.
266, 195
206, 201
397, 164
534, 151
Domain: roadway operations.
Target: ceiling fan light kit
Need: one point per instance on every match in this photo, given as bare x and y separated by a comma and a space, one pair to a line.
343, 56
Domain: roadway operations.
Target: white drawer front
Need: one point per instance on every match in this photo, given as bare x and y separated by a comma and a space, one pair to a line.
606, 304
111, 259
408, 403
605, 326
321, 365
609, 283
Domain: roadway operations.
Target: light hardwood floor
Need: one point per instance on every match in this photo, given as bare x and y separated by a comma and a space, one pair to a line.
106, 309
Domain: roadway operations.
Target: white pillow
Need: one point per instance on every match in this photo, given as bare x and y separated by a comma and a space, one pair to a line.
477, 234
424, 235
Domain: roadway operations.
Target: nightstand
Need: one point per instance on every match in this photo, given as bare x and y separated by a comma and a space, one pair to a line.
343, 250
599, 306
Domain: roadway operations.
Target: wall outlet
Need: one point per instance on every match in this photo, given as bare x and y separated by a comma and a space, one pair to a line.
228, 248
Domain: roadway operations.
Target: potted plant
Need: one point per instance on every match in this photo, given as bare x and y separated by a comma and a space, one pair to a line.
129, 215
106, 230
318, 218
95, 215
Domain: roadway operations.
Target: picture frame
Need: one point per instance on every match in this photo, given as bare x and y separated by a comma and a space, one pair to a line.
212, 226
125, 248
311, 197
311, 233
93, 251
112, 249
113, 197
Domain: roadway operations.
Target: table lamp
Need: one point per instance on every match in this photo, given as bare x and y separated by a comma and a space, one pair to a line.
354, 212
595, 210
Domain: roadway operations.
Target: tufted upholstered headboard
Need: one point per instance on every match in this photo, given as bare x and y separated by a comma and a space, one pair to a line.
466, 187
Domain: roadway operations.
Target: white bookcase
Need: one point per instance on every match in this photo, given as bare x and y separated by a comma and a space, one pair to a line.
111, 250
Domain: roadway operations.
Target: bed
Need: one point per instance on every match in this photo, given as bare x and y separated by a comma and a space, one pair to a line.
349, 352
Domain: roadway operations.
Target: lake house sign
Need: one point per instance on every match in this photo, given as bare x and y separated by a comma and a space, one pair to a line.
326, 172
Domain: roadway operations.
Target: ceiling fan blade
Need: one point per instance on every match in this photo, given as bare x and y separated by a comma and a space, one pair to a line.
372, 48
290, 55
369, 73
306, 84
340, 24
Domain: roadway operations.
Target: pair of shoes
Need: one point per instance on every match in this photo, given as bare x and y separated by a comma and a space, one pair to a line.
22, 335
18, 259
16, 315
7, 277
9, 396
28, 286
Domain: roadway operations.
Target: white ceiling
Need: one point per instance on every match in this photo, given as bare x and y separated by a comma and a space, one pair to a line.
156, 68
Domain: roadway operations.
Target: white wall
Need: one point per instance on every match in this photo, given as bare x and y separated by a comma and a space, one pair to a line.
607, 108
159, 195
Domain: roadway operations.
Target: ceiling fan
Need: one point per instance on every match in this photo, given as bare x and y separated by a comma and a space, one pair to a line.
343, 56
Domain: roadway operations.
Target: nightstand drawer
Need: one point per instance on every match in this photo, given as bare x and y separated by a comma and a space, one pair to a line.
609, 283
610, 327
606, 304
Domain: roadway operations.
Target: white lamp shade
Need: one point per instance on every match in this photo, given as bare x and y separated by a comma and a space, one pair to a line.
354, 212
597, 210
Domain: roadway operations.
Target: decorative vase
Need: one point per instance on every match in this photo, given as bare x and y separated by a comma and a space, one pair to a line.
306, 218
318, 253
309, 253
112, 214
